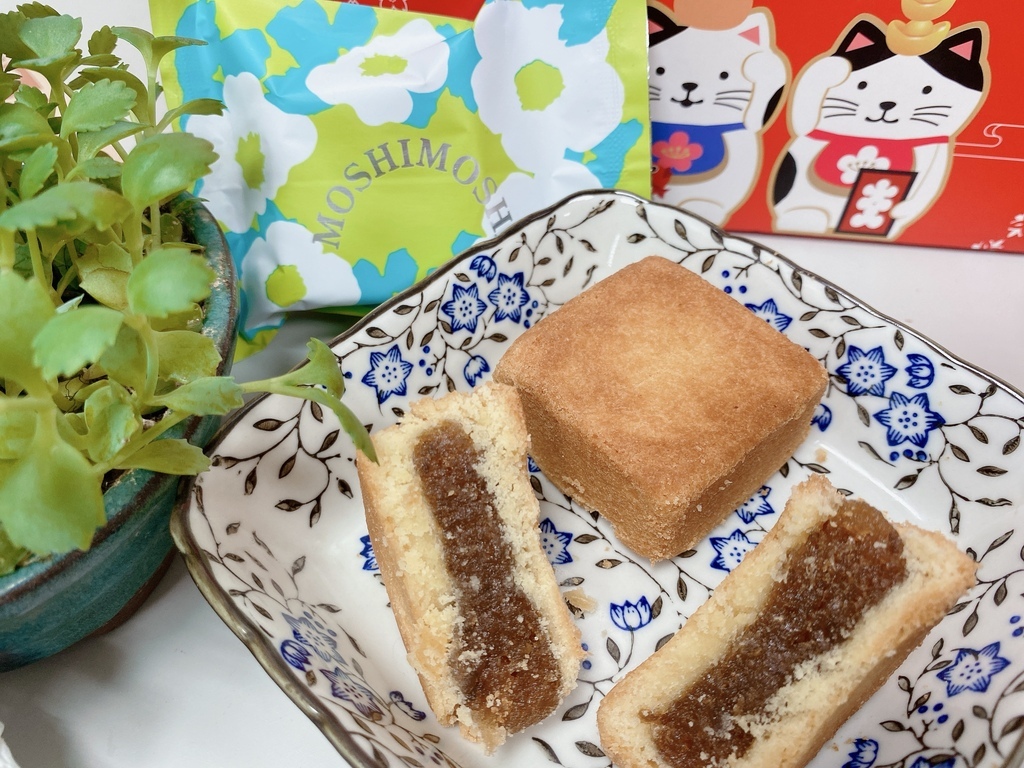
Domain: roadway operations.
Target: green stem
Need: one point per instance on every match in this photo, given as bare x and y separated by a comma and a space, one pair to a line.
133, 237
139, 441
38, 268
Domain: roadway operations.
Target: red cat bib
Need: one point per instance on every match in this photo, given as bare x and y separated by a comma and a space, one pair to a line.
842, 156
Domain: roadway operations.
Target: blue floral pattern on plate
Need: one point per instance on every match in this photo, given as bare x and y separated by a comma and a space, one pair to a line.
276, 535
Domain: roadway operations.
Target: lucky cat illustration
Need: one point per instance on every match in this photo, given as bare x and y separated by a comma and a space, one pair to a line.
712, 93
873, 131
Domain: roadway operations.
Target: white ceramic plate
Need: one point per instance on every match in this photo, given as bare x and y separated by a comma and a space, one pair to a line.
275, 537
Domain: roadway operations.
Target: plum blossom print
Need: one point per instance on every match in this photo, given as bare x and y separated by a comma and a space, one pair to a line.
555, 543
868, 157
909, 419
509, 297
864, 753
404, 705
822, 416
756, 506
345, 687
677, 154
731, 549
973, 670
369, 559
388, 373
921, 371
769, 312
295, 653
484, 266
257, 146
310, 633
631, 616
464, 307
866, 372
475, 369
378, 79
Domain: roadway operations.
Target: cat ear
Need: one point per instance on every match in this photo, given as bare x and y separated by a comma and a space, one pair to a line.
863, 34
756, 29
966, 44
660, 26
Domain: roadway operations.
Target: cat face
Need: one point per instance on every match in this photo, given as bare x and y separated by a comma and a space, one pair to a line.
709, 77
889, 96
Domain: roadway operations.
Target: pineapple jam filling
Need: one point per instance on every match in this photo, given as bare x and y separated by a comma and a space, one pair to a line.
501, 657
845, 566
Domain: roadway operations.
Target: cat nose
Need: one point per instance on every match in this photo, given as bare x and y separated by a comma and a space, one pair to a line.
885, 106
689, 86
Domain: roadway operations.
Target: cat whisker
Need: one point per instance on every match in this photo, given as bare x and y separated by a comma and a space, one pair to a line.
737, 90
839, 114
927, 122
845, 101
839, 107
652, 87
930, 114
739, 97
933, 106
737, 107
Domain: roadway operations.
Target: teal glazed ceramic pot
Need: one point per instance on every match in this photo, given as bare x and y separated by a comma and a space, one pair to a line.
47, 606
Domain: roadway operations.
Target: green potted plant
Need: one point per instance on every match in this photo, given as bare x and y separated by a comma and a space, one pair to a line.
117, 323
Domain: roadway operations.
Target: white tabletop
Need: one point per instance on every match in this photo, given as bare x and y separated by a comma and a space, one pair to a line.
174, 686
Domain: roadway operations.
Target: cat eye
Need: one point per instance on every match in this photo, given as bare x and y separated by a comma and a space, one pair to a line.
926, 89
862, 85
659, 71
723, 75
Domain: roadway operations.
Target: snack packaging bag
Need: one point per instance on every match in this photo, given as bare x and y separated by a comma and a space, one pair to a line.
362, 147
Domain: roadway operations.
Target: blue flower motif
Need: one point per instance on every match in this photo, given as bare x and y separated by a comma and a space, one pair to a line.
973, 670
921, 370
484, 266
347, 688
756, 505
866, 372
509, 297
909, 419
531, 465
388, 373
769, 312
631, 616
555, 543
369, 559
464, 307
865, 752
406, 706
309, 632
822, 416
730, 550
475, 369
295, 654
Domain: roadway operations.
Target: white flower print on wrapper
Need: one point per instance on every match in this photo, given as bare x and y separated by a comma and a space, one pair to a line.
289, 270
524, 194
377, 79
510, 38
257, 144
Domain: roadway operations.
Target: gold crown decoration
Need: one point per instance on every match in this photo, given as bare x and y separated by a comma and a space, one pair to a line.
706, 14
919, 34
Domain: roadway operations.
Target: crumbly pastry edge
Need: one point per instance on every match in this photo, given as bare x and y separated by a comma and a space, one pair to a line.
808, 711
406, 544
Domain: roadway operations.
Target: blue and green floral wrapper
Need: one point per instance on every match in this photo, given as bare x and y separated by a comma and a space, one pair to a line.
360, 148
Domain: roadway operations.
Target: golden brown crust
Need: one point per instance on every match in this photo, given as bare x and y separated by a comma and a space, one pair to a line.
406, 543
659, 401
808, 711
